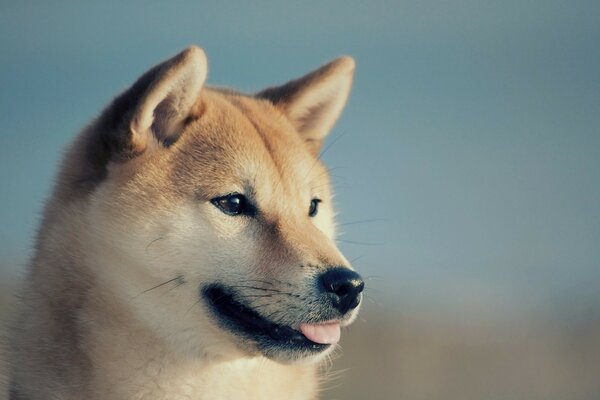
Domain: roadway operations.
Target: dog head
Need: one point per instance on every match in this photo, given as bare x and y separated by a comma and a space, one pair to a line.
210, 214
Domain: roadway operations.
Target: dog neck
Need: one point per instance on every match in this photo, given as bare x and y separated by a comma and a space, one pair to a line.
136, 365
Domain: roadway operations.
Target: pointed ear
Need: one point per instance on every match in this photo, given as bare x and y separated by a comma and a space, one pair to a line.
158, 106
314, 102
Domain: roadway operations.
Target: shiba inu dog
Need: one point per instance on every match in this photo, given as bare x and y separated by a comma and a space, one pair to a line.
188, 249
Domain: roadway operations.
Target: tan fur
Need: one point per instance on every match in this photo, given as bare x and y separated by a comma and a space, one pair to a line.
111, 308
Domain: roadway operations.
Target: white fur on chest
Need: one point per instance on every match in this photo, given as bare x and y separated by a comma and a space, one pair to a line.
133, 366
254, 378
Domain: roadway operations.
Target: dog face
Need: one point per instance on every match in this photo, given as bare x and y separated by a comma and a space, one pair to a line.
211, 216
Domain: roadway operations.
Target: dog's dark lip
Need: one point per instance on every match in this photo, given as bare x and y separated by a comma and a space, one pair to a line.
243, 320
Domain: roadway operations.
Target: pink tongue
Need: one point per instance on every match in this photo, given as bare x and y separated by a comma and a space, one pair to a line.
322, 333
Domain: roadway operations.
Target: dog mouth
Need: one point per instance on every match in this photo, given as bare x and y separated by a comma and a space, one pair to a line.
268, 336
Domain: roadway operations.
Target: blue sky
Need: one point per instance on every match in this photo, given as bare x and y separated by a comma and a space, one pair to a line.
472, 134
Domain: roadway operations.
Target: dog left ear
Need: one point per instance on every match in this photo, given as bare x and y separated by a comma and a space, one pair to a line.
168, 100
156, 108
314, 102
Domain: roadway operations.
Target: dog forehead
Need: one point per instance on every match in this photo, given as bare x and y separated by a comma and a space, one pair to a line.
240, 140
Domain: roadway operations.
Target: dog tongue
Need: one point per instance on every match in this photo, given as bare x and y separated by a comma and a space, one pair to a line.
322, 333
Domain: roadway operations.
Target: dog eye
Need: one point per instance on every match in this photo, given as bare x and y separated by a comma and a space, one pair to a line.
314, 207
233, 204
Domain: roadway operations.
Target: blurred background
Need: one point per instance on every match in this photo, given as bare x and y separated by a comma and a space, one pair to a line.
466, 165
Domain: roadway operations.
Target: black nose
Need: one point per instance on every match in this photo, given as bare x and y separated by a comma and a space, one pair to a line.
343, 287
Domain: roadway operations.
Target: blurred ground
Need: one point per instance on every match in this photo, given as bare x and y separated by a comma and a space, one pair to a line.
404, 357
8, 286
392, 355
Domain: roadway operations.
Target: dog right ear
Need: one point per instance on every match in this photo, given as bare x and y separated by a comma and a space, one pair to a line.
314, 102
154, 111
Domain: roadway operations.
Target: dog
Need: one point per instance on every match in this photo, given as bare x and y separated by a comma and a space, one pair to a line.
187, 249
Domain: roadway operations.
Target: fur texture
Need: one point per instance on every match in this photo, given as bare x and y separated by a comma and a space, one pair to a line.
112, 307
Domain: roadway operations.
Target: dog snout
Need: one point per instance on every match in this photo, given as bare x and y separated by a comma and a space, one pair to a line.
343, 286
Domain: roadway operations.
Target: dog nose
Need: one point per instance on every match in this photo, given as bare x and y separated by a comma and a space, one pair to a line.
343, 287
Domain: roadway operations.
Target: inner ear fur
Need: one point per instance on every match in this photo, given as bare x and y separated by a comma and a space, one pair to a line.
314, 102
155, 109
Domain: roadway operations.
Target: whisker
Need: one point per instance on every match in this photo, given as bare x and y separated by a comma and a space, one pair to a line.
359, 243
369, 277
271, 295
267, 282
174, 287
258, 280
356, 259
153, 241
363, 221
328, 171
159, 285
256, 288
279, 311
372, 300
336, 168
334, 141
192, 306
325, 151
338, 180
